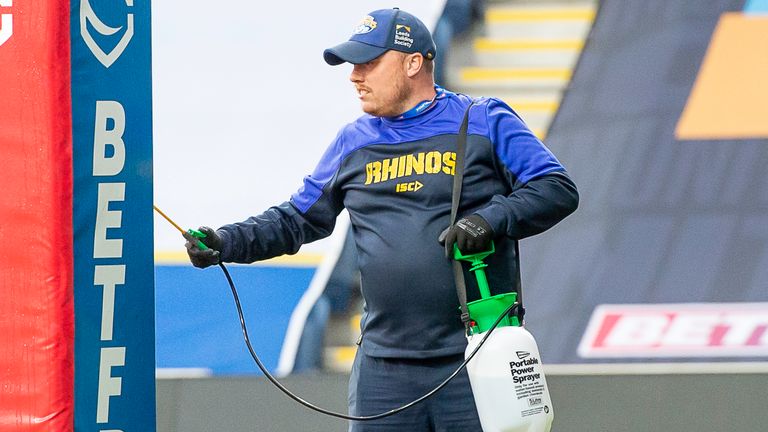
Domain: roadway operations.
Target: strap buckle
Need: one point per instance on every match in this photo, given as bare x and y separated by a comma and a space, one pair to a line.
467, 323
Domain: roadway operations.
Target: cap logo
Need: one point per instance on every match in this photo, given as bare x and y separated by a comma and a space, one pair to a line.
366, 25
403, 36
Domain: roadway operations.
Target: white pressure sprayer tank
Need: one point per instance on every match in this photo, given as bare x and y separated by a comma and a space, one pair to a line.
506, 374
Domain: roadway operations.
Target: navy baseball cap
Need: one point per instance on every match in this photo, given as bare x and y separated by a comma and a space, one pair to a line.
379, 32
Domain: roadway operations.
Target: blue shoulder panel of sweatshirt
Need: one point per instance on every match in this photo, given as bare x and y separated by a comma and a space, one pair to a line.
517, 147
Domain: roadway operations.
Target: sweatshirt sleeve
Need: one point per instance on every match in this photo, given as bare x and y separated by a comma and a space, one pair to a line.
309, 215
278, 231
542, 192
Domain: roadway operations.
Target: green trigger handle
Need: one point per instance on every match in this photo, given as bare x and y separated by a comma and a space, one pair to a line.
199, 235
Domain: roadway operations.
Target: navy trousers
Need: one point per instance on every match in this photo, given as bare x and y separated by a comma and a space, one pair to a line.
380, 384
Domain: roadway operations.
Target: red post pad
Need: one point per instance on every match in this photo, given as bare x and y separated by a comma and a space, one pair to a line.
36, 276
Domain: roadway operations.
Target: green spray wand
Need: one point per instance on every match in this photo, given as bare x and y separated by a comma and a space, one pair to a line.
486, 311
194, 233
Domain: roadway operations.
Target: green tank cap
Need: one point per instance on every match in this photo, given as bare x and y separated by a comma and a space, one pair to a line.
485, 312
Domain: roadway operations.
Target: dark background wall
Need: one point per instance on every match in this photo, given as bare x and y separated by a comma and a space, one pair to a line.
660, 220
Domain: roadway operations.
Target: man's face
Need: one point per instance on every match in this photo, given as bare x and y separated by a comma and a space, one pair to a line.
382, 85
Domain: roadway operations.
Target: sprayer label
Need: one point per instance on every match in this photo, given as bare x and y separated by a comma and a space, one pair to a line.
529, 389
528, 385
524, 370
534, 411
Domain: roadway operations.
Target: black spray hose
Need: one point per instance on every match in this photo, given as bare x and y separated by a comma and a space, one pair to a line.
333, 413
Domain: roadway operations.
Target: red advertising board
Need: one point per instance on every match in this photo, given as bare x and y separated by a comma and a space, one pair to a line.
677, 330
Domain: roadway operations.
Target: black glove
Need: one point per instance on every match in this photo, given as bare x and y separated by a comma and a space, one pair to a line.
472, 235
203, 258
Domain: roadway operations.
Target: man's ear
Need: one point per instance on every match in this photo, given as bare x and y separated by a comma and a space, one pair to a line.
413, 64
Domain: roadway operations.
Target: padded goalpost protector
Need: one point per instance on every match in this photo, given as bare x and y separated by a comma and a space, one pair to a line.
36, 260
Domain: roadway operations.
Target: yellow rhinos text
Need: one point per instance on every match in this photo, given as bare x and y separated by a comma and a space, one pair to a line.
433, 162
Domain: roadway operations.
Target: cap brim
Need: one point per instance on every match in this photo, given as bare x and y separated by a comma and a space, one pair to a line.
352, 52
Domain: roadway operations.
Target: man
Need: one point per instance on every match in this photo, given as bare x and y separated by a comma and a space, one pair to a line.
392, 169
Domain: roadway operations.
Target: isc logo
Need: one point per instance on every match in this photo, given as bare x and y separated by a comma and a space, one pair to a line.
408, 187
6, 22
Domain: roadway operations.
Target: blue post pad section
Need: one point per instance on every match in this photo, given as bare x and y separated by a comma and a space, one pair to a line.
196, 319
112, 215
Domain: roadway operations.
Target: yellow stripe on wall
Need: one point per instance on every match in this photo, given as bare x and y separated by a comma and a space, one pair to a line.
486, 44
540, 106
490, 74
344, 354
499, 15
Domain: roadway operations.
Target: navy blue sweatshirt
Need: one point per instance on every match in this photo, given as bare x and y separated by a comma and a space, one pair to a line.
395, 178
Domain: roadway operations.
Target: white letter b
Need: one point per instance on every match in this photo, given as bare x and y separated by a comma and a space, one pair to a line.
102, 137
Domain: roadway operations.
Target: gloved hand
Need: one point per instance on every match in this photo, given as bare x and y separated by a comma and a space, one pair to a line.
472, 235
203, 258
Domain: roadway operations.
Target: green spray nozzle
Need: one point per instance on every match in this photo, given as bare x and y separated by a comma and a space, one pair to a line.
199, 235
194, 233
478, 267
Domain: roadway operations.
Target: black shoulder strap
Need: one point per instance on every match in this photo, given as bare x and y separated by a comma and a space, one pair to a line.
458, 177
519, 285
458, 272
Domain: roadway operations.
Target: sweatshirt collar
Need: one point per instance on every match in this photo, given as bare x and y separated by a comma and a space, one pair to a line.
423, 111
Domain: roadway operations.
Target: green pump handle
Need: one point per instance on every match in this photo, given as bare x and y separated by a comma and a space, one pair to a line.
478, 267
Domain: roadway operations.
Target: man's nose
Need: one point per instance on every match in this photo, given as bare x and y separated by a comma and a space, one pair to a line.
356, 75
